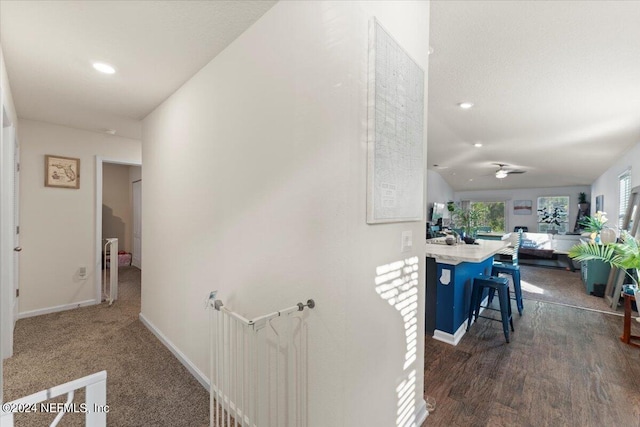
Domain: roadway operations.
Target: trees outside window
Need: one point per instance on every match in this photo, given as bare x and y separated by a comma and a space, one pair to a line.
495, 217
553, 214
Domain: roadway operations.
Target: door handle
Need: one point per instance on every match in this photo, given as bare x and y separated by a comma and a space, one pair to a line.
17, 249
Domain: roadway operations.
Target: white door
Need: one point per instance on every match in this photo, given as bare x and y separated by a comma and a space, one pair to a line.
136, 257
8, 247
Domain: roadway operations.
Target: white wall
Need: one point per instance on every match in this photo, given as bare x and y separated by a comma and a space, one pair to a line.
532, 194
116, 204
607, 183
6, 91
58, 224
437, 190
255, 185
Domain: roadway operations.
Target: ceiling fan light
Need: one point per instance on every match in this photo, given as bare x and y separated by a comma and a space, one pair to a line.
501, 174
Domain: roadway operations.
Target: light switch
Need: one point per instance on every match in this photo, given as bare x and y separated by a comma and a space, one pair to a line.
407, 241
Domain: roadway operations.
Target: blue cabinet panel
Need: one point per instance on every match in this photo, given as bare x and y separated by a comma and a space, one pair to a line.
454, 292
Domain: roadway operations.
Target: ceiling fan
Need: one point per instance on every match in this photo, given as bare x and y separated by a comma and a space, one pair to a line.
502, 172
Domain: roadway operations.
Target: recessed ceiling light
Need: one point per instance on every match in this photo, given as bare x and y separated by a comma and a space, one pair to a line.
104, 68
478, 144
465, 105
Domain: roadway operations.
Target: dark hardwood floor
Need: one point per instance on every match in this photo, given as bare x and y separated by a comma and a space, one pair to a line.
563, 367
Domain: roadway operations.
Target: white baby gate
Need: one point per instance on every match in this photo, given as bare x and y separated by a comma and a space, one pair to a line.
112, 295
95, 408
258, 368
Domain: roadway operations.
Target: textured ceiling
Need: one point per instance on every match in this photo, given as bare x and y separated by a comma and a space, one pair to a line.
556, 85
556, 88
155, 45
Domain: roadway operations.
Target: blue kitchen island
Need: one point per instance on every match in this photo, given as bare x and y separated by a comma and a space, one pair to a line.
450, 273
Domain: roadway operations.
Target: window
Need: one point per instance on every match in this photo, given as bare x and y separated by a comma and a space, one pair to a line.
553, 214
624, 191
495, 217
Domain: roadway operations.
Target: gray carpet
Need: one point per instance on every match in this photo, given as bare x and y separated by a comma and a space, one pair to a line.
146, 384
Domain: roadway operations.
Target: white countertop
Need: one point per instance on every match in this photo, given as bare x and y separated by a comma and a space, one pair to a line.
455, 254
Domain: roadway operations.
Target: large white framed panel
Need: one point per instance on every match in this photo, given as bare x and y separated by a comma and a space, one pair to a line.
395, 131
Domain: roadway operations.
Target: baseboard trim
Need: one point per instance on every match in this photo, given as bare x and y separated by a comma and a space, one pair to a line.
422, 413
197, 373
457, 336
452, 339
49, 310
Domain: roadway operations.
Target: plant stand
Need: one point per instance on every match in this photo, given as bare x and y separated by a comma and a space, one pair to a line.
626, 329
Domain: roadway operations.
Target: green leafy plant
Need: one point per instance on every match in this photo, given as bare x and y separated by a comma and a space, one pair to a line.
470, 219
625, 255
451, 206
582, 198
595, 225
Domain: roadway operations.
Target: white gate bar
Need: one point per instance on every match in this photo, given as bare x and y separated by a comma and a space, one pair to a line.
258, 375
95, 398
112, 244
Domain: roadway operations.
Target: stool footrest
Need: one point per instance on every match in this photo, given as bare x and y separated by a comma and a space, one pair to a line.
492, 284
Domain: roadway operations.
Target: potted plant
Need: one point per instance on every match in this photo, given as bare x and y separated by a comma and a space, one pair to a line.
469, 219
624, 255
583, 205
451, 206
596, 225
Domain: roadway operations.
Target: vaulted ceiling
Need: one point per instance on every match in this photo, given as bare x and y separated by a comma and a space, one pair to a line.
555, 85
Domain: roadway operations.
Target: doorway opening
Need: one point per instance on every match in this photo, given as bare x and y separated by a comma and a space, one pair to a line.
118, 215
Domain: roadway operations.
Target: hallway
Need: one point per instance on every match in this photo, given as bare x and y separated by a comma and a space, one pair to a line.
146, 384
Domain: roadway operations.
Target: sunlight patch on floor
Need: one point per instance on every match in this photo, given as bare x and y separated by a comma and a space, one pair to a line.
531, 288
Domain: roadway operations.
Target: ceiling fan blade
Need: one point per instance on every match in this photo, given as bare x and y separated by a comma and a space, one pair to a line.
514, 172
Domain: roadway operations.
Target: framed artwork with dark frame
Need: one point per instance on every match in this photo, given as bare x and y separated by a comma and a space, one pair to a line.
61, 172
600, 203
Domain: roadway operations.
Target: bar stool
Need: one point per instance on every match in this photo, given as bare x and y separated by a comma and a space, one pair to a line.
493, 283
512, 270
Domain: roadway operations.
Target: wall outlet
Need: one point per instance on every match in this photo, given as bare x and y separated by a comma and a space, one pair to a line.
407, 241
82, 272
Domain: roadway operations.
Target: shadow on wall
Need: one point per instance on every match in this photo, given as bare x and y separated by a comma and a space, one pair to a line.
112, 226
397, 283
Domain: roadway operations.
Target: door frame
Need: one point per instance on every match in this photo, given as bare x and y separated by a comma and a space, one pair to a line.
136, 262
98, 233
7, 254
